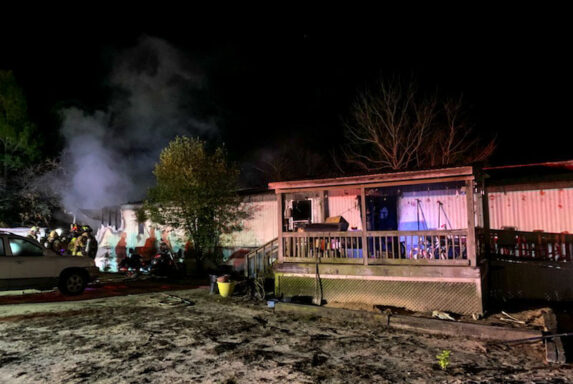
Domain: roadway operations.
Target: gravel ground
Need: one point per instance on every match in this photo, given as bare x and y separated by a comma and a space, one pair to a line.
156, 338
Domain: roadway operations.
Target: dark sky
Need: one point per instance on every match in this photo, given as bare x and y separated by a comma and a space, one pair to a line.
295, 73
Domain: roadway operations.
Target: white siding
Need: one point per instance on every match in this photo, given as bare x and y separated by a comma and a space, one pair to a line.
550, 210
261, 227
345, 203
454, 208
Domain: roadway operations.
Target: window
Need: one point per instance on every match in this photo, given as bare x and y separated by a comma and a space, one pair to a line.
2, 253
301, 210
21, 247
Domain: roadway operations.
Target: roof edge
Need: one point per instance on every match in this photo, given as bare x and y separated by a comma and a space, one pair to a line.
376, 178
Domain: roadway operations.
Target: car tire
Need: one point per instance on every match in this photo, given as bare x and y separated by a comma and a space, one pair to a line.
72, 283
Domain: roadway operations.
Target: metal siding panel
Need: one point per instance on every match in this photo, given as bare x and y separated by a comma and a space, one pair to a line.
259, 229
345, 203
550, 210
454, 205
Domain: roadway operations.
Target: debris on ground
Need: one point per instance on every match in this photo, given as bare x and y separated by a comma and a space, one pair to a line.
442, 315
508, 317
175, 300
136, 339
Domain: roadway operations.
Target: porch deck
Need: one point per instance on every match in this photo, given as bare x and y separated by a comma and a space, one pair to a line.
417, 269
528, 265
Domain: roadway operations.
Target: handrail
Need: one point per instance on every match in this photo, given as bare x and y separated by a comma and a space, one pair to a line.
437, 232
377, 247
261, 258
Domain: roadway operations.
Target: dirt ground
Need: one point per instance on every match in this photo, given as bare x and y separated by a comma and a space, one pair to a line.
156, 338
106, 287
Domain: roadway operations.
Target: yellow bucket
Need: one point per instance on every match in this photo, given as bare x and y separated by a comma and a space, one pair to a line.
225, 289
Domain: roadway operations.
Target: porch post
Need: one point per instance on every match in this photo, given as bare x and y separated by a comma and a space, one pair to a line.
280, 226
364, 237
323, 203
486, 229
471, 239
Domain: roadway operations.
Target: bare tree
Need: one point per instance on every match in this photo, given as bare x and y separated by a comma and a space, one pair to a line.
393, 127
453, 141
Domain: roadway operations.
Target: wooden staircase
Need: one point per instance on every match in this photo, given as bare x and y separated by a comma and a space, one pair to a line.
258, 262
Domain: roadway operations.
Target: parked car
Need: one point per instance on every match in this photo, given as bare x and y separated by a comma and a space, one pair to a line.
25, 263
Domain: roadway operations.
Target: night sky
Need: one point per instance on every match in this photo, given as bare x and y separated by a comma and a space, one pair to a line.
295, 74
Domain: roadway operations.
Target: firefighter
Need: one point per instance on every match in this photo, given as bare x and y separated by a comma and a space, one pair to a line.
33, 233
76, 230
88, 241
72, 244
73, 236
54, 242
80, 244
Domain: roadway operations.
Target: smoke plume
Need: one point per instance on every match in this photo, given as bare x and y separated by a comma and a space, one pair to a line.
110, 154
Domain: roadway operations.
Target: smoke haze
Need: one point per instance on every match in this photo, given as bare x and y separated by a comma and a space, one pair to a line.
110, 154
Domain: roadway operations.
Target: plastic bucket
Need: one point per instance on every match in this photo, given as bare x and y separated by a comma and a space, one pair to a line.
225, 289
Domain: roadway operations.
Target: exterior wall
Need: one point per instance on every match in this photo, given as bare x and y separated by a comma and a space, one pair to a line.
345, 203
114, 242
260, 228
550, 210
454, 207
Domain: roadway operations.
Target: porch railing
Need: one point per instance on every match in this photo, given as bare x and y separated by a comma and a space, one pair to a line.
382, 247
526, 245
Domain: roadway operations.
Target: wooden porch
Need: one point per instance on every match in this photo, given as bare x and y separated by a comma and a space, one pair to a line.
528, 265
422, 269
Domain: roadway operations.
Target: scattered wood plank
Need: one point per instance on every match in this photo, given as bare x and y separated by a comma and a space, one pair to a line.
181, 299
554, 351
416, 324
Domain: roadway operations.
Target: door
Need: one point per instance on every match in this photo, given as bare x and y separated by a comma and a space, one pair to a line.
381, 213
